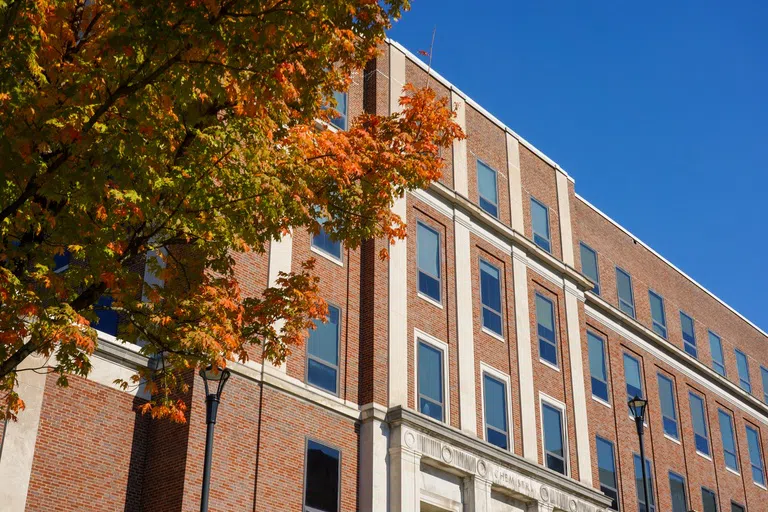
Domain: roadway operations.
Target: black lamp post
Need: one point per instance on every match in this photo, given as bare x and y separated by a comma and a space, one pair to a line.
217, 377
637, 407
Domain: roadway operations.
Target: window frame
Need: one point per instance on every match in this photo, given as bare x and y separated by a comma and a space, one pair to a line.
307, 440
534, 233
506, 381
599, 438
652, 506
676, 437
631, 293
339, 260
662, 326
342, 115
582, 245
680, 478
478, 163
337, 368
607, 399
735, 454
424, 295
745, 382
749, 428
488, 330
740, 508
764, 379
553, 403
695, 396
423, 337
640, 374
714, 497
715, 363
556, 342
686, 343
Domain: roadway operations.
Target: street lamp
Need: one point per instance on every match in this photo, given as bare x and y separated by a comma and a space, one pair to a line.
637, 408
217, 377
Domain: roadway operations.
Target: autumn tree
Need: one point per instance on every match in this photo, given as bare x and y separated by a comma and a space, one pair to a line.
186, 130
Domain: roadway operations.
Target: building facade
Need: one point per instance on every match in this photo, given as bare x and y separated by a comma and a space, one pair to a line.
486, 366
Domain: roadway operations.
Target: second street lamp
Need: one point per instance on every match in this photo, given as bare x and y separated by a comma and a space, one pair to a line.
637, 407
217, 378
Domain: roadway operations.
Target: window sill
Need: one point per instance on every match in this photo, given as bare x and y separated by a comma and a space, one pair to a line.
547, 363
494, 334
676, 441
430, 300
602, 402
332, 259
732, 471
760, 486
703, 455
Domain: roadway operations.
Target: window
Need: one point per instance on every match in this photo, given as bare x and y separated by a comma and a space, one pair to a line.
755, 456
589, 265
597, 366
322, 479
490, 295
742, 365
341, 107
668, 409
657, 314
689, 335
699, 424
107, 317
431, 388
624, 287
61, 261
323, 243
323, 352
428, 256
764, 375
735, 507
677, 491
495, 403
729, 442
708, 500
487, 189
540, 222
633, 377
554, 445
639, 485
716, 348
606, 469
545, 320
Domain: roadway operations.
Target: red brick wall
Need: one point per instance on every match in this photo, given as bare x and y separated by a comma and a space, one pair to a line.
539, 181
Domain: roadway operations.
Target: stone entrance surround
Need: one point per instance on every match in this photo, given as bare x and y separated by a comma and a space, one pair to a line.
433, 467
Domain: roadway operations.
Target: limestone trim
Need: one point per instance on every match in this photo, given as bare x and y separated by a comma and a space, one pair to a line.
421, 336
564, 212
465, 327
280, 260
503, 377
467, 456
460, 176
632, 330
515, 184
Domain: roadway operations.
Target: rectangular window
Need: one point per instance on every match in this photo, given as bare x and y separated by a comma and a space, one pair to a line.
639, 485
700, 431
589, 265
323, 242
341, 107
323, 352
755, 456
487, 189
495, 403
554, 443
624, 288
735, 507
606, 469
728, 439
322, 479
708, 500
540, 222
61, 261
428, 256
658, 315
677, 491
716, 348
430, 378
668, 409
764, 376
545, 321
107, 317
633, 377
597, 367
689, 334
742, 365
490, 295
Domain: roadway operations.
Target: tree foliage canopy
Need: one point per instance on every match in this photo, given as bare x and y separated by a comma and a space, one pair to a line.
175, 133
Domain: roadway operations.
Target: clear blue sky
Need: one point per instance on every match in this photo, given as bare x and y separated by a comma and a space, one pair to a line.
658, 110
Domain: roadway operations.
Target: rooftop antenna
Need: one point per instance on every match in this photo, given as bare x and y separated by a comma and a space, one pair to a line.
429, 54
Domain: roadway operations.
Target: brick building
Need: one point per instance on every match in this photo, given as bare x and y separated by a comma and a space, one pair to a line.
485, 367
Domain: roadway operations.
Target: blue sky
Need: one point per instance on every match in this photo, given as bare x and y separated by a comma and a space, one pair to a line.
658, 110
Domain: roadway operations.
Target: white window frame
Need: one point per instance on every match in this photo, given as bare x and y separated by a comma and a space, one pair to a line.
501, 376
557, 404
419, 335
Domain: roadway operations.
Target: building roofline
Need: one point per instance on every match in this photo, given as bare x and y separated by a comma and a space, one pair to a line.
665, 260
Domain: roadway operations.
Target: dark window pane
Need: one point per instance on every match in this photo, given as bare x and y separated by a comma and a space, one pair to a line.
589, 266
624, 287
597, 369
689, 334
428, 256
699, 424
716, 348
323, 341
490, 294
61, 260
487, 190
553, 438
497, 438
431, 409
657, 314
728, 440
540, 222
107, 318
430, 378
341, 107
677, 489
632, 377
429, 286
743, 367
639, 485
709, 500
735, 507
322, 241
322, 479
321, 375
668, 410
